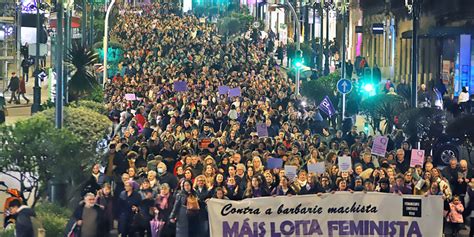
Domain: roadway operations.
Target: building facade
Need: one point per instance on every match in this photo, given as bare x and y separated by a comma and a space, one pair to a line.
446, 41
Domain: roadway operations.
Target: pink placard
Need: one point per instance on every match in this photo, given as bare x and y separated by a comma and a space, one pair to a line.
379, 147
130, 97
417, 157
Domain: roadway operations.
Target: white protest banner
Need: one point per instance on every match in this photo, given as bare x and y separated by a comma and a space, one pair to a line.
339, 214
344, 163
379, 147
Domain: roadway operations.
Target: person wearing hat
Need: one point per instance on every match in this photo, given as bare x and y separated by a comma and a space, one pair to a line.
3, 109
384, 185
14, 86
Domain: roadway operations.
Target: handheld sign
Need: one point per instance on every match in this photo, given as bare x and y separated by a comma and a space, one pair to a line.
318, 168
290, 172
274, 163
235, 92
130, 97
379, 147
223, 90
180, 86
417, 157
344, 163
262, 130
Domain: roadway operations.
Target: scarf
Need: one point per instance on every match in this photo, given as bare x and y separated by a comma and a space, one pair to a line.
164, 201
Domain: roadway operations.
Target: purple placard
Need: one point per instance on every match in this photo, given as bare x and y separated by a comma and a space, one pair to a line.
262, 130
130, 97
327, 107
235, 92
274, 163
223, 90
180, 86
379, 147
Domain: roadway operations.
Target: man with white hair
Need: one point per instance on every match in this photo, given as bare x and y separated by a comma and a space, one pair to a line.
90, 217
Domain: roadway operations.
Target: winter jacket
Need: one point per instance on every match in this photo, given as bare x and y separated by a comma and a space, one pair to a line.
455, 213
24, 225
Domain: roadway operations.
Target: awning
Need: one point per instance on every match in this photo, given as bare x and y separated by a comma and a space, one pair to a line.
440, 32
76, 22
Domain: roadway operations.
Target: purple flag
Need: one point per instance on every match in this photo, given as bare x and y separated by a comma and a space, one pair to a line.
180, 86
327, 107
223, 90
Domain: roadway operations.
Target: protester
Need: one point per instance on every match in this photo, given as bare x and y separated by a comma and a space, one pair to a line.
3, 108
90, 218
14, 86
24, 226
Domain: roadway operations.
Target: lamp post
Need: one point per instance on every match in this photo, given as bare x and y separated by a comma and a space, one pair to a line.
328, 6
342, 7
413, 7
59, 65
106, 39
317, 6
298, 42
36, 89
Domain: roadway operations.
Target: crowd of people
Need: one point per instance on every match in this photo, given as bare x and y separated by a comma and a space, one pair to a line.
172, 150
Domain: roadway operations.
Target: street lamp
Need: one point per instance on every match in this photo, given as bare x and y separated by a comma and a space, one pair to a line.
37, 89
318, 5
106, 39
328, 5
413, 7
342, 7
298, 42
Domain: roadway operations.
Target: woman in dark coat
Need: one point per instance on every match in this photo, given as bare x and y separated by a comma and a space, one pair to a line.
164, 204
256, 188
105, 199
185, 220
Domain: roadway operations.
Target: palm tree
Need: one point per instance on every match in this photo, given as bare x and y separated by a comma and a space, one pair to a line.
81, 61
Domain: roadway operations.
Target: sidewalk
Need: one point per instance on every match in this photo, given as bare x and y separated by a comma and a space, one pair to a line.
17, 112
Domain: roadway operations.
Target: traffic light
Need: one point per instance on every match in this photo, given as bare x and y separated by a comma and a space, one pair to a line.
366, 128
367, 83
298, 62
368, 87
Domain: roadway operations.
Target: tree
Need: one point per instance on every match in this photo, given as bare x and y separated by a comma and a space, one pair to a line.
34, 152
385, 108
422, 123
83, 80
317, 89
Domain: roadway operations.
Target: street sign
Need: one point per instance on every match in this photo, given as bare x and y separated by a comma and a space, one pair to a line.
377, 28
359, 29
344, 86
